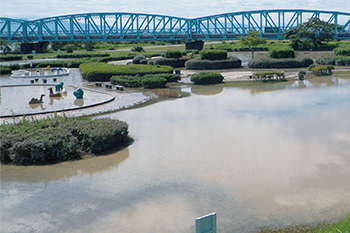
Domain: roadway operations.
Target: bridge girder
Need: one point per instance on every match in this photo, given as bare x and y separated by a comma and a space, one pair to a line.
136, 27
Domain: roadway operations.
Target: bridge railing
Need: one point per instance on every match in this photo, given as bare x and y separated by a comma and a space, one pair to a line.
128, 26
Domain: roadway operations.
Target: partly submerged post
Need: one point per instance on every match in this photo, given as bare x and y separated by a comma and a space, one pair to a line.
206, 224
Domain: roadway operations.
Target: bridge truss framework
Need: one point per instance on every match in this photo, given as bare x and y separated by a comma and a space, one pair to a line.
136, 27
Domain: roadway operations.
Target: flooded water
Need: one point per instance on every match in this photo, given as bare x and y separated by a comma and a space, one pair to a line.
271, 156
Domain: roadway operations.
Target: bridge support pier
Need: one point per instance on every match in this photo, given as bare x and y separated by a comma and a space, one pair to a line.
191, 45
39, 47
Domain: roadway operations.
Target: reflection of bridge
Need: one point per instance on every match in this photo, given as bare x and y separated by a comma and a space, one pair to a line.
129, 26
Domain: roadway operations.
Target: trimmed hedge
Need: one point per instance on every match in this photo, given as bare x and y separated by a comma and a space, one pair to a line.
168, 77
173, 62
117, 58
173, 54
103, 72
82, 55
10, 58
282, 53
5, 70
333, 60
279, 63
136, 81
342, 51
65, 63
139, 59
212, 55
206, 78
127, 81
153, 82
59, 139
195, 64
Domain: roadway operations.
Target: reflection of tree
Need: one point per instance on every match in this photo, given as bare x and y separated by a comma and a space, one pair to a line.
318, 81
206, 90
301, 84
64, 170
269, 87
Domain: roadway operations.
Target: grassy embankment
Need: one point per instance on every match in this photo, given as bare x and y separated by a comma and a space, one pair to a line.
343, 226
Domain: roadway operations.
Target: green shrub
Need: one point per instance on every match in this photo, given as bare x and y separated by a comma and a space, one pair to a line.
173, 54
269, 76
333, 60
10, 58
82, 55
117, 58
173, 62
153, 82
103, 72
205, 78
5, 70
137, 48
213, 54
136, 81
30, 56
279, 63
59, 139
168, 77
282, 53
139, 59
69, 48
322, 70
326, 60
301, 75
127, 81
342, 51
195, 64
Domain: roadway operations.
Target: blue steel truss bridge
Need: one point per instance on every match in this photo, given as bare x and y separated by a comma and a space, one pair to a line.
137, 27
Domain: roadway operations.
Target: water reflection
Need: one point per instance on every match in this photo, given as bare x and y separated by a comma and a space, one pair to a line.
209, 90
271, 87
64, 171
301, 84
52, 99
79, 102
320, 80
274, 159
34, 106
15, 99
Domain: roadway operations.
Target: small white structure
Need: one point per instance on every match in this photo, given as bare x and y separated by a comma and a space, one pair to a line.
206, 224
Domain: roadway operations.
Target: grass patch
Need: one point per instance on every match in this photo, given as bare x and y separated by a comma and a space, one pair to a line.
343, 226
58, 139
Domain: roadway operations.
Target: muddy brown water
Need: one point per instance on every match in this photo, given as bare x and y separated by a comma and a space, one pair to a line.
271, 156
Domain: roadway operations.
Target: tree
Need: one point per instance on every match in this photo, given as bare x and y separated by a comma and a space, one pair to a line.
137, 48
314, 32
252, 40
69, 48
4, 46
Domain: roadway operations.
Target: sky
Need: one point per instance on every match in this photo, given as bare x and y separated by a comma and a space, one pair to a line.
36, 9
